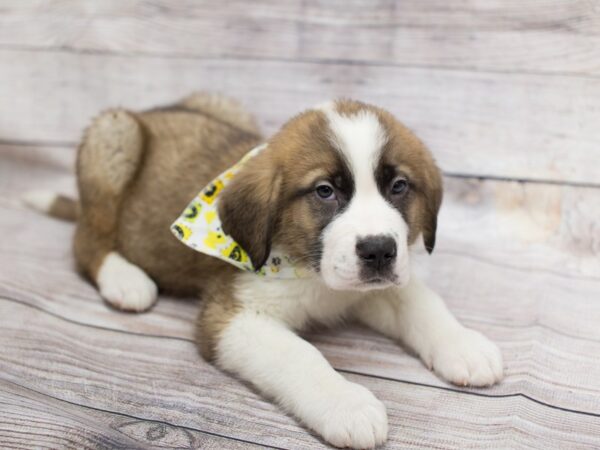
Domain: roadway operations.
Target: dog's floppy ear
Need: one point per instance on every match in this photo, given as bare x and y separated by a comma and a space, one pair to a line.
433, 201
249, 207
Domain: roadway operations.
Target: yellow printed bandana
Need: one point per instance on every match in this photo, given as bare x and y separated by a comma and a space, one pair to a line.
199, 227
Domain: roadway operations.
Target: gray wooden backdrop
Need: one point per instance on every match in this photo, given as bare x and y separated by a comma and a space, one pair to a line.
507, 95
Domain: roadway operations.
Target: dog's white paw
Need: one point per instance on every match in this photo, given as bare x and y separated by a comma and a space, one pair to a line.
352, 417
467, 358
124, 285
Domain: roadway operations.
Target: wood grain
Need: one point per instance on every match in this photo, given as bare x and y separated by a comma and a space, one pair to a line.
549, 36
32, 417
504, 125
499, 90
90, 366
541, 308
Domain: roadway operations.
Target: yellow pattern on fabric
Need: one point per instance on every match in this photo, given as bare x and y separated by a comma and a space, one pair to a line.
200, 228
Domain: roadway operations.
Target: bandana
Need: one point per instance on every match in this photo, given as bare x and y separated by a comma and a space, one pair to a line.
200, 228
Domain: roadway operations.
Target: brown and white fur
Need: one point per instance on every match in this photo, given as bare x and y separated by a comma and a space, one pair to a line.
344, 189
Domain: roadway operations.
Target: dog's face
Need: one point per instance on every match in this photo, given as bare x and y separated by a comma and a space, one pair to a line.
344, 189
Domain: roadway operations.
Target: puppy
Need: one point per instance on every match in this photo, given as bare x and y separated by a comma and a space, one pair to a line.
343, 191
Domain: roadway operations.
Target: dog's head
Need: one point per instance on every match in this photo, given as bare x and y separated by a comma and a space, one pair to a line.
344, 190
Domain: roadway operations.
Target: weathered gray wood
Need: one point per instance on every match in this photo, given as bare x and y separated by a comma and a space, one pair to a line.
554, 36
476, 123
542, 309
30, 418
100, 368
496, 89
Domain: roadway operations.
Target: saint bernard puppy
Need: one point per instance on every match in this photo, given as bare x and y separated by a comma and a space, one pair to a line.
342, 194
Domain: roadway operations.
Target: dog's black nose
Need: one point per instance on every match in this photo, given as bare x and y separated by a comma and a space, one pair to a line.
376, 252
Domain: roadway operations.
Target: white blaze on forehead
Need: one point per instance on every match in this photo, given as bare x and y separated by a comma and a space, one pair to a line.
359, 137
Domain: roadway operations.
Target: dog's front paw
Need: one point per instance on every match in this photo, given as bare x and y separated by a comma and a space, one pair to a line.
466, 357
352, 417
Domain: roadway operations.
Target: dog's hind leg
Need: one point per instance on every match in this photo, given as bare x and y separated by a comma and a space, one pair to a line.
108, 160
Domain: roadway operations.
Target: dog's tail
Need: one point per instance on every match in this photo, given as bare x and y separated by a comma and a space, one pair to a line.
53, 204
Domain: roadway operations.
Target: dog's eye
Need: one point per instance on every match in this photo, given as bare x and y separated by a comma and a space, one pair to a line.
399, 185
325, 191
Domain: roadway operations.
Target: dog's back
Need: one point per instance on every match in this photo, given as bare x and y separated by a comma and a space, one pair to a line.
185, 149
136, 172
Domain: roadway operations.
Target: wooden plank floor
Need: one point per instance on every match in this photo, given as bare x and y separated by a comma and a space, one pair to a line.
506, 95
